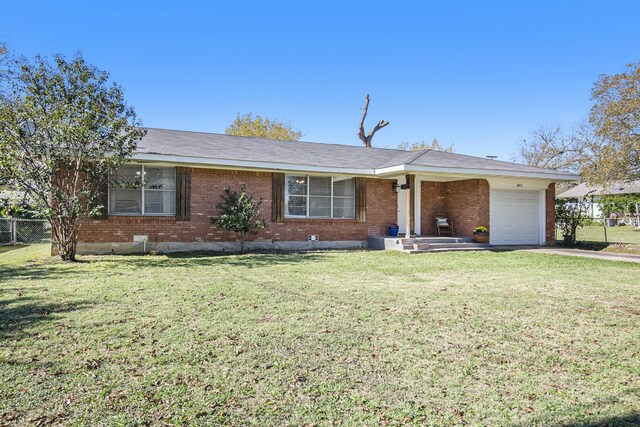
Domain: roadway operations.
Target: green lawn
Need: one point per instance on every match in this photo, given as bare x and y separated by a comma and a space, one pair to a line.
595, 233
356, 338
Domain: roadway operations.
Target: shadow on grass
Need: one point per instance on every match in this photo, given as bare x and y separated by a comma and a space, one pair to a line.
23, 312
8, 248
214, 259
37, 270
628, 420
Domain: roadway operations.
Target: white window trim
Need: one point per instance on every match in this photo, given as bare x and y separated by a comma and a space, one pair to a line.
142, 202
308, 197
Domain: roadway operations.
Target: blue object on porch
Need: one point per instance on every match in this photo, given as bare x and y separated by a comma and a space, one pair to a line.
393, 231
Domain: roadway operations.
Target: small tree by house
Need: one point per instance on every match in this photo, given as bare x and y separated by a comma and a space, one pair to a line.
240, 213
570, 216
63, 129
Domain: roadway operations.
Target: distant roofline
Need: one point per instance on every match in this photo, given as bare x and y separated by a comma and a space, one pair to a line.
583, 189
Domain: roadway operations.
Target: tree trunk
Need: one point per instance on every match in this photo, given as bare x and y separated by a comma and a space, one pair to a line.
64, 234
243, 238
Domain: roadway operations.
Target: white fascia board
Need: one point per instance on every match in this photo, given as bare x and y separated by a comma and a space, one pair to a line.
242, 164
403, 168
491, 172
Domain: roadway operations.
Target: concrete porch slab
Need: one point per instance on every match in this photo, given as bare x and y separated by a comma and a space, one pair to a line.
423, 244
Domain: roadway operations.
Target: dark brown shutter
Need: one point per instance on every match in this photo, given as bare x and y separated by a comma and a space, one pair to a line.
103, 200
361, 199
412, 208
277, 197
183, 194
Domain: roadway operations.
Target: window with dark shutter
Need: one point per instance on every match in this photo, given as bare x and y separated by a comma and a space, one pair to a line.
361, 199
183, 194
277, 197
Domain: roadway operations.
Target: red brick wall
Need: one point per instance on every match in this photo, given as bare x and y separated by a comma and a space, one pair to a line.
433, 201
207, 186
550, 209
466, 203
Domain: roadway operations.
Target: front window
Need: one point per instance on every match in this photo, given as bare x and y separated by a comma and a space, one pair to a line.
319, 196
142, 190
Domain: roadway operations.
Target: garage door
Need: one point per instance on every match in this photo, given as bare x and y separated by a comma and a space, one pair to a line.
515, 217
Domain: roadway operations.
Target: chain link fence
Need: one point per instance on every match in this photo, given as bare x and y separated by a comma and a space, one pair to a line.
24, 231
624, 230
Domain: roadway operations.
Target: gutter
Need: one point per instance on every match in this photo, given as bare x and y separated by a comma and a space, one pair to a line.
373, 172
558, 176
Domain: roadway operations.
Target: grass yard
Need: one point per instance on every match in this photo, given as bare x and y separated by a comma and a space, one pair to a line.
356, 338
595, 233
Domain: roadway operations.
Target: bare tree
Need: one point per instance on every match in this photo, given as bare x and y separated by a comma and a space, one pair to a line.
366, 139
549, 147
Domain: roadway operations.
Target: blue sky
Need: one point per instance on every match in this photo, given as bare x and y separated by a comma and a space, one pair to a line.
478, 75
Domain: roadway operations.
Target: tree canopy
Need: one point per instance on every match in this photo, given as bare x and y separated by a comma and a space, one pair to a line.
259, 127
417, 146
615, 117
63, 128
6, 62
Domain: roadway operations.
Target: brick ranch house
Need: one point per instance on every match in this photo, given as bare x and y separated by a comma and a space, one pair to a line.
337, 195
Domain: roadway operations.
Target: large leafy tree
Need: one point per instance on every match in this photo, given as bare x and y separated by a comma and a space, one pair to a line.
259, 127
63, 128
417, 146
4, 65
615, 116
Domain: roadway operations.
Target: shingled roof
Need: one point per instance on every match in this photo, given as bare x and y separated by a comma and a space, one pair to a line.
200, 147
583, 190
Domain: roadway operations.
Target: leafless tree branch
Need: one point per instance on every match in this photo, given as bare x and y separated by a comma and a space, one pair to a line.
366, 138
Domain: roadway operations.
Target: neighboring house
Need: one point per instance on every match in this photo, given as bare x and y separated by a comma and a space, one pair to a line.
592, 194
315, 195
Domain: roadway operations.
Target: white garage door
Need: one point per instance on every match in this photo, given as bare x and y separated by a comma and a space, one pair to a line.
515, 217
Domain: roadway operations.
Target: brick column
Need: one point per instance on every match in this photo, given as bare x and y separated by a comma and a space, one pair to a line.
550, 211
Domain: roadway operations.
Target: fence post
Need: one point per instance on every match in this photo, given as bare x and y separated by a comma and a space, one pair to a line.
604, 224
13, 226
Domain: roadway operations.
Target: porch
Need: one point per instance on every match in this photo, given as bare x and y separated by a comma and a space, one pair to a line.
517, 211
414, 245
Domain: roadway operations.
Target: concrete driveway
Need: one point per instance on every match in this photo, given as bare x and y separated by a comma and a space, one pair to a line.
582, 253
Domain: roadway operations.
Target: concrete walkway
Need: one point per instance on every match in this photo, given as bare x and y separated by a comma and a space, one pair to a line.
586, 254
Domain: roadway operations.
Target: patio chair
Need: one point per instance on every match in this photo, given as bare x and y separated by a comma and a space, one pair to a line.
444, 224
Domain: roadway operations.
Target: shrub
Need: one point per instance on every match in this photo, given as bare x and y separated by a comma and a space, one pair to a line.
569, 217
240, 213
